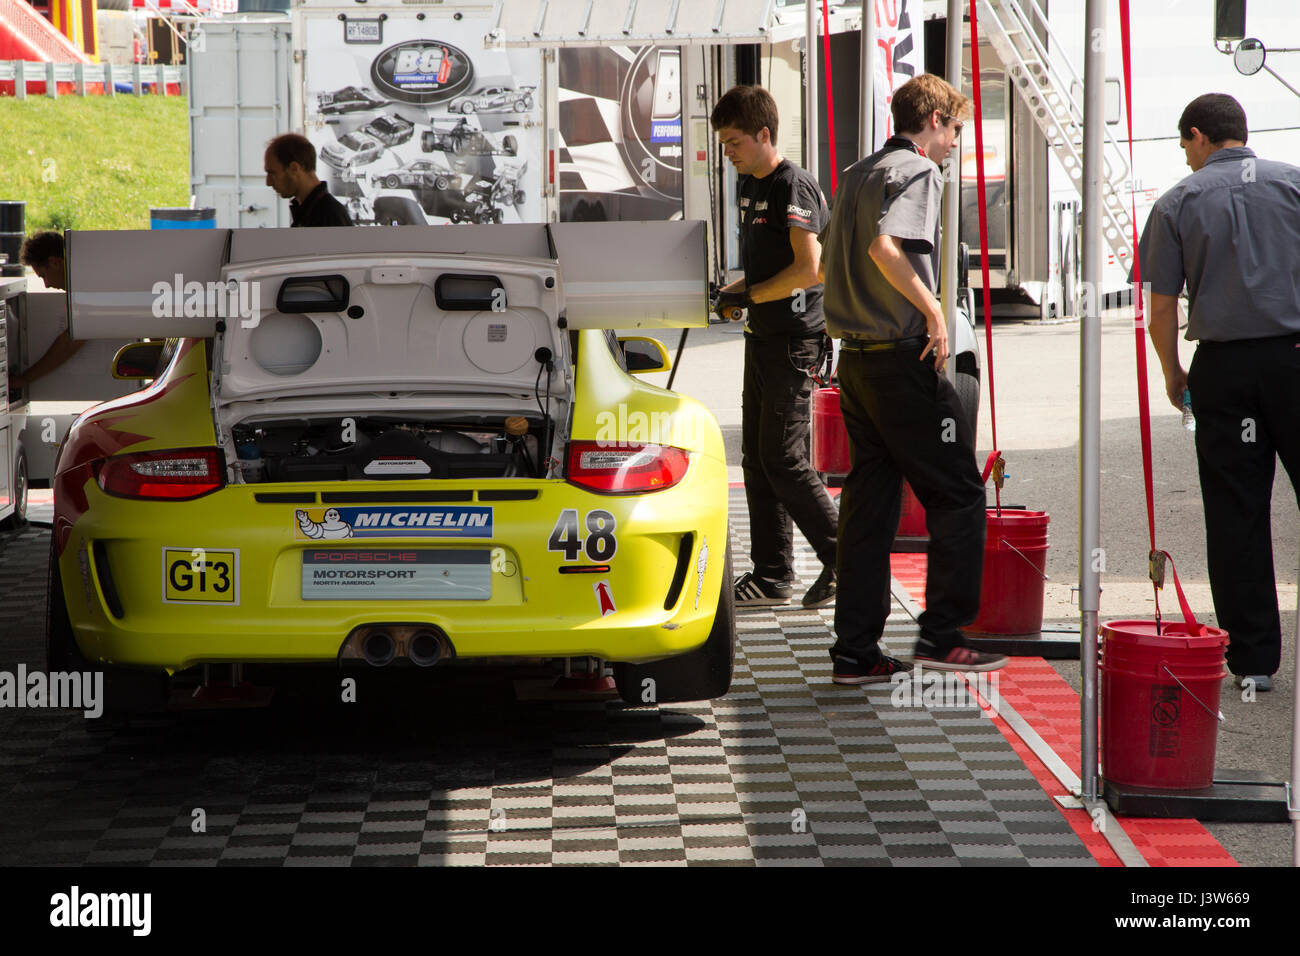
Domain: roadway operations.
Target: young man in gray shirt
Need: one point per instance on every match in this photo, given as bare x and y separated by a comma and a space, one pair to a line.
904, 420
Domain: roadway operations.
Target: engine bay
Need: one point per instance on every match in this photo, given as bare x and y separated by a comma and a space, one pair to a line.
384, 447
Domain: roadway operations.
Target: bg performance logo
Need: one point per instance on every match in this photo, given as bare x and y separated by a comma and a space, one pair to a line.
422, 71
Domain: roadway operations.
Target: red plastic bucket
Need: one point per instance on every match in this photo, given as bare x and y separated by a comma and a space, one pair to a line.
830, 439
1160, 704
1015, 559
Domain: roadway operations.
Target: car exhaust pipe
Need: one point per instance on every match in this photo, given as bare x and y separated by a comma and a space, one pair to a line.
378, 648
425, 648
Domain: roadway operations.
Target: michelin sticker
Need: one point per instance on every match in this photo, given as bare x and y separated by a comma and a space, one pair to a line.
317, 524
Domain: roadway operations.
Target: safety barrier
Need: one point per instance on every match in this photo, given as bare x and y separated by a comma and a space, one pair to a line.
18, 78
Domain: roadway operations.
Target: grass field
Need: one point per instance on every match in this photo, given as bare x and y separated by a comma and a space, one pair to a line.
94, 162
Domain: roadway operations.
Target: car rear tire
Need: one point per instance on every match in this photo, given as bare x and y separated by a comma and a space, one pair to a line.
968, 394
441, 183
127, 691
391, 182
523, 106
467, 107
701, 674
19, 518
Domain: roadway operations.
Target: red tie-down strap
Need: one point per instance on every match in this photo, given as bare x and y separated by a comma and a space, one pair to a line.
1158, 558
995, 457
830, 101
1139, 327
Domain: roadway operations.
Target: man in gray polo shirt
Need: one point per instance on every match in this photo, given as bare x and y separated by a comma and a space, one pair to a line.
1231, 232
903, 417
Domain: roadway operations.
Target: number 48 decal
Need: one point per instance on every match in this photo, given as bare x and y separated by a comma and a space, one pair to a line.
600, 544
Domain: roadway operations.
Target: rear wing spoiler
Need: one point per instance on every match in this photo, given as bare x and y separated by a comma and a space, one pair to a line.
611, 275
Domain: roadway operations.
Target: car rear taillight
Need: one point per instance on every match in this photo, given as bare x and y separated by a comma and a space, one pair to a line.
625, 468
175, 475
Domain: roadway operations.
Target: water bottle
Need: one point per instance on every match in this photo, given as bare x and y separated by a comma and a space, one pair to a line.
1189, 421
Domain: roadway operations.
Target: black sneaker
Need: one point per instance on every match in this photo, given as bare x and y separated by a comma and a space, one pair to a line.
959, 659
850, 671
750, 592
1260, 682
823, 590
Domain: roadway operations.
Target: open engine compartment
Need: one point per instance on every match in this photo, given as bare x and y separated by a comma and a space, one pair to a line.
378, 447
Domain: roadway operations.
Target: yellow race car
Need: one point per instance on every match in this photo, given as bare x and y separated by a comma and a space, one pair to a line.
397, 445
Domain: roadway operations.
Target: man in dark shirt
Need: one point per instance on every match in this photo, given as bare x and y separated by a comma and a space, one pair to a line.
902, 415
290, 164
1229, 232
43, 252
781, 212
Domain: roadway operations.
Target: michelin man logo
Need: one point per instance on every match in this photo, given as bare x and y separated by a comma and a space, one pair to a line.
332, 527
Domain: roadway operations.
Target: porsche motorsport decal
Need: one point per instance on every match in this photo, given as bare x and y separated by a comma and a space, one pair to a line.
316, 524
200, 576
388, 574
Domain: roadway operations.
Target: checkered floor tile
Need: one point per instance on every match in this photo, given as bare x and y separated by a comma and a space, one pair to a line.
447, 768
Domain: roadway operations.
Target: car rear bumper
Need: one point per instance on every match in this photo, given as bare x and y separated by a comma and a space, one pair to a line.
143, 580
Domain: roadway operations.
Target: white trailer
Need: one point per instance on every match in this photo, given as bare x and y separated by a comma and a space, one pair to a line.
13, 462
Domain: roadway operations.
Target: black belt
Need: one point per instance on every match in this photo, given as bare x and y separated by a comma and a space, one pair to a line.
863, 345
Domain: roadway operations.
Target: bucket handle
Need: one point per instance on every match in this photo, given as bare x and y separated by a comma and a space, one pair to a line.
1166, 669
1023, 556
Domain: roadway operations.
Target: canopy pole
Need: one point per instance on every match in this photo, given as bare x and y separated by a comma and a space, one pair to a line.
1293, 795
948, 278
1094, 118
867, 83
810, 89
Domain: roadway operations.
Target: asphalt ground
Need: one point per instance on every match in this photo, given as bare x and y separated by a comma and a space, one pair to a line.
1036, 373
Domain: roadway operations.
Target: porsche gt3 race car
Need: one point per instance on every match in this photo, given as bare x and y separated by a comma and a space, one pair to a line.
401, 445
421, 174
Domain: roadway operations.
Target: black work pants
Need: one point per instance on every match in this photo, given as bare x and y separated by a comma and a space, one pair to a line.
1246, 399
904, 421
780, 485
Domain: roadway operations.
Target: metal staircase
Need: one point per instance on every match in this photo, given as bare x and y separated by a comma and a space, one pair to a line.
1045, 83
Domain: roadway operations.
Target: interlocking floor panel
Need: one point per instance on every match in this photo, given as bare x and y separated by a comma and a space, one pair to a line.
448, 768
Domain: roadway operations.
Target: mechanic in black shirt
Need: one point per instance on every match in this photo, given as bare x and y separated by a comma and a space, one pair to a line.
781, 212
290, 164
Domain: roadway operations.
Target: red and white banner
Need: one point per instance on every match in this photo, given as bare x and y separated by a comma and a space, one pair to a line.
899, 56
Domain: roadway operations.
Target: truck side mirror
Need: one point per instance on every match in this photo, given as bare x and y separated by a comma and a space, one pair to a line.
137, 360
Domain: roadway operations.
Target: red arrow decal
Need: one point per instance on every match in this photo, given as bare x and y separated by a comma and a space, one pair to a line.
605, 598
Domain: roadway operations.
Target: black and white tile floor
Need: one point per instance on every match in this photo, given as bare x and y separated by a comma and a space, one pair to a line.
788, 769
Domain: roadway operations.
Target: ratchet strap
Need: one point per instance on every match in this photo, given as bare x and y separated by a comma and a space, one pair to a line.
995, 465
1156, 559
830, 100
